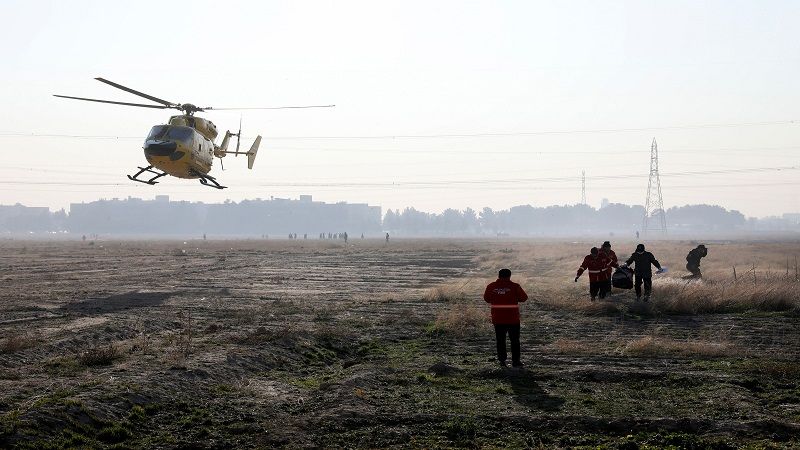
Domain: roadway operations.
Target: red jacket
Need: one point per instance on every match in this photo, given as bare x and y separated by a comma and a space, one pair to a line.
505, 296
612, 258
597, 267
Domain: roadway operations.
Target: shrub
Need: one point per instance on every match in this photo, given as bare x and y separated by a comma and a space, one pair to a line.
99, 355
15, 342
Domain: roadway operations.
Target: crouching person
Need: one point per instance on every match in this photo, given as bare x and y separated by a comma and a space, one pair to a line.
504, 295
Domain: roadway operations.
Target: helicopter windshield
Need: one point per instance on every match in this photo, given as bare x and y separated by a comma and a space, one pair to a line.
175, 133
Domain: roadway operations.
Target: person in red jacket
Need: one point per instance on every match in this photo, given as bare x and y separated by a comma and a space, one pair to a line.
597, 265
505, 296
606, 251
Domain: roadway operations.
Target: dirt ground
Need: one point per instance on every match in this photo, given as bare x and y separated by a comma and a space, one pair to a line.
260, 344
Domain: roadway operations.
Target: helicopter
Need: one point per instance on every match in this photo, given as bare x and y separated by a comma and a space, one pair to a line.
184, 147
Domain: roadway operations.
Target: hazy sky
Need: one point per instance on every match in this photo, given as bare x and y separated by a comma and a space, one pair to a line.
536, 92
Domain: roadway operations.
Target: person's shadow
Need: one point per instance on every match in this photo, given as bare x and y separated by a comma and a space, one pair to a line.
526, 390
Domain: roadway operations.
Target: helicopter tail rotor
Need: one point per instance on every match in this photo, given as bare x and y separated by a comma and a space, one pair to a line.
239, 136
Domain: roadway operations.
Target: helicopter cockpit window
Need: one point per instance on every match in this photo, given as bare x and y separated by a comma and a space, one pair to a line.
158, 132
180, 133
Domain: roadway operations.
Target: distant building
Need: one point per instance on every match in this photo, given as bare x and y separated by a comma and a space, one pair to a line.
248, 217
792, 218
19, 218
604, 203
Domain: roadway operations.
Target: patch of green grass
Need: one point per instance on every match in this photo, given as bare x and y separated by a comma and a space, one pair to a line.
137, 414
66, 367
223, 389
114, 434
461, 430
196, 416
59, 397
9, 422
461, 383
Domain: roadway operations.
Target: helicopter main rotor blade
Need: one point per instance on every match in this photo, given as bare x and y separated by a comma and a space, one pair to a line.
135, 92
273, 107
112, 102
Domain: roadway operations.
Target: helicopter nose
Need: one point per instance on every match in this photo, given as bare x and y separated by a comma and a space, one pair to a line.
159, 148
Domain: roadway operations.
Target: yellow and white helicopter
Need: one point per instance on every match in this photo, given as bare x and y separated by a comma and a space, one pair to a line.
185, 147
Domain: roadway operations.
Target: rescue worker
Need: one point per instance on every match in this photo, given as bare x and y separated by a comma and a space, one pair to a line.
606, 251
693, 260
504, 295
643, 273
597, 265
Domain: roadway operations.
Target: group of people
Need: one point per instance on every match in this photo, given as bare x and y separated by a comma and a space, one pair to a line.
600, 262
504, 295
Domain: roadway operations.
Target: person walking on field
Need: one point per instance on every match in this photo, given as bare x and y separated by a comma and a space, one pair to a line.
693, 260
643, 273
606, 251
505, 296
597, 265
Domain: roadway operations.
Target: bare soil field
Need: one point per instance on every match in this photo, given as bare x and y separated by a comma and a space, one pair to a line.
308, 344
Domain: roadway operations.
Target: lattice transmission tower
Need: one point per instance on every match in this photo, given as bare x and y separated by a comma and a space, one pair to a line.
655, 219
583, 187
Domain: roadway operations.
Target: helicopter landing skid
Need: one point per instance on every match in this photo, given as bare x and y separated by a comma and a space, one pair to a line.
148, 169
207, 180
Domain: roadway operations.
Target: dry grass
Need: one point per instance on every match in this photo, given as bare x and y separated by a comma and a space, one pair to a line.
674, 296
99, 355
572, 347
463, 319
581, 305
16, 341
469, 289
546, 269
655, 347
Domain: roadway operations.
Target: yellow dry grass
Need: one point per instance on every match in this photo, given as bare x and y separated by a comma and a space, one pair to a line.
653, 346
546, 271
674, 296
462, 319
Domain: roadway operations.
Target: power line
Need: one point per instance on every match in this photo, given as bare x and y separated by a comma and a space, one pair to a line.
449, 135
429, 184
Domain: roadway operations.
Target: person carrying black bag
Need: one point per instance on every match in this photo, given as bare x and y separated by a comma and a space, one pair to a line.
643, 273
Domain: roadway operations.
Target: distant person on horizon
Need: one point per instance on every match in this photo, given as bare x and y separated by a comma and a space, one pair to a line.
344, 235
597, 265
387, 238
643, 273
637, 235
693, 261
505, 296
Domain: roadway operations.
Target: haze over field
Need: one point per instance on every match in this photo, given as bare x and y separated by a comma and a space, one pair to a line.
438, 105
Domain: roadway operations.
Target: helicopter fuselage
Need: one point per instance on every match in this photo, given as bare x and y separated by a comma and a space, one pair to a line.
184, 148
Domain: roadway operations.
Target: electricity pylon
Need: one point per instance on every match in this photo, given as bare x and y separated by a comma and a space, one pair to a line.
583, 187
655, 218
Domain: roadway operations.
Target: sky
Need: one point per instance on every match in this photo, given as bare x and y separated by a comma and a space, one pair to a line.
438, 104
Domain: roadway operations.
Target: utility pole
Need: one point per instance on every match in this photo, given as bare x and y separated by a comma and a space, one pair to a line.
583, 187
655, 217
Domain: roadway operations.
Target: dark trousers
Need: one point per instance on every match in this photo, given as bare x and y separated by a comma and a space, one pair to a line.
500, 331
648, 285
598, 288
694, 269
